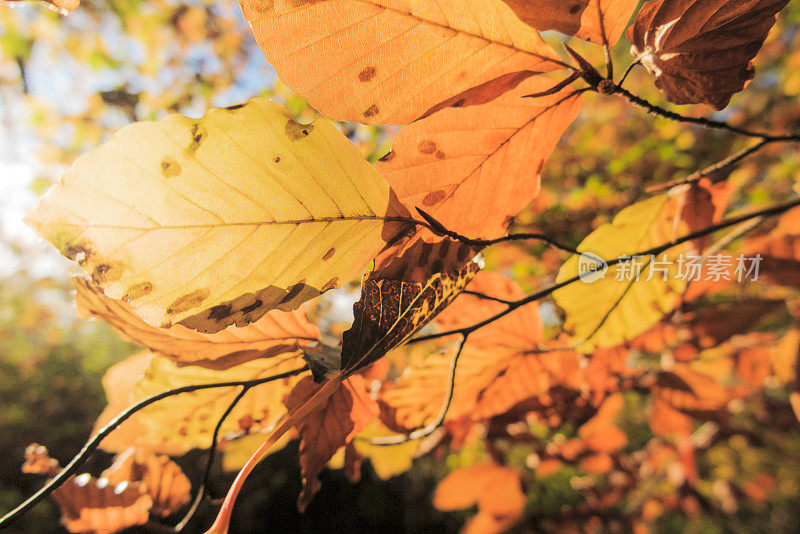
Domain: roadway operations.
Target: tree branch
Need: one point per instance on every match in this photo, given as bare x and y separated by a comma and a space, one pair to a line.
436, 423
699, 121
91, 446
767, 212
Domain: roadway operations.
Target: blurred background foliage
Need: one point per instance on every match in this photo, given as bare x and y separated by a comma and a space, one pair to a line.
67, 83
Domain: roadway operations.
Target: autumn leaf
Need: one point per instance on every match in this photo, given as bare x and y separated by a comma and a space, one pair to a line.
496, 490
605, 309
158, 476
346, 413
380, 62
177, 424
216, 221
275, 333
386, 461
473, 169
779, 250
418, 394
599, 21
700, 51
391, 311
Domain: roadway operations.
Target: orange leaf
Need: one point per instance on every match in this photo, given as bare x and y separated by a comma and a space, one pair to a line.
159, 476
275, 333
346, 413
380, 62
581, 18
480, 164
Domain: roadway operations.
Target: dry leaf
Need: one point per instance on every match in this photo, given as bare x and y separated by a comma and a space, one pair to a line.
346, 413
276, 333
700, 51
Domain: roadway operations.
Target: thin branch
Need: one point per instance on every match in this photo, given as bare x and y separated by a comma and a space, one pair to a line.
628, 70
699, 121
436, 423
484, 296
767, 212
716, 167
212, 451
91, 446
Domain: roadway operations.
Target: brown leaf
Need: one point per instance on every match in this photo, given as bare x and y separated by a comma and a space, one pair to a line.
346, 413
700, 51
159, 476
275, 333
780, 250
391, 311
480, 164
92, 506
598, 21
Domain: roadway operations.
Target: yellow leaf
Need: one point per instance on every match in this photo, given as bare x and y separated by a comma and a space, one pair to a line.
186, 421
606, 310
389, 61
276, 333
216, 221
387, 461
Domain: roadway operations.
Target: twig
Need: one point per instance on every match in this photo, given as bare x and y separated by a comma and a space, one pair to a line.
716, 167
699, 121
91, 446
625, 74
436, 423
767, 212
486, 297
212, 451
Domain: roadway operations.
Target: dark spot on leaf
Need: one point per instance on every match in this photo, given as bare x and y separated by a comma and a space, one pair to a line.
217, 313
246, 422
183, 431
437, 266
575, 9
138, 291
444, 248
333, 282
389, 156
188, 301
366, 74
328, 255
198, 133
78, 252
460, 102
426, 146
235, 106
277, 159
293, 292
433, 197
253, 307
296, 131
99, 273
440, 154
372, 111
170, 168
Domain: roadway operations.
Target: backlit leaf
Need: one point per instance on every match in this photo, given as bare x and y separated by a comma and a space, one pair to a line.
700, 51
388, 61
346, 413
216, 221
275, 333
473, 169
183, 422
594, 20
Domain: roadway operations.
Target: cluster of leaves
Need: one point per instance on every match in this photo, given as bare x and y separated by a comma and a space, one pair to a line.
200, 239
